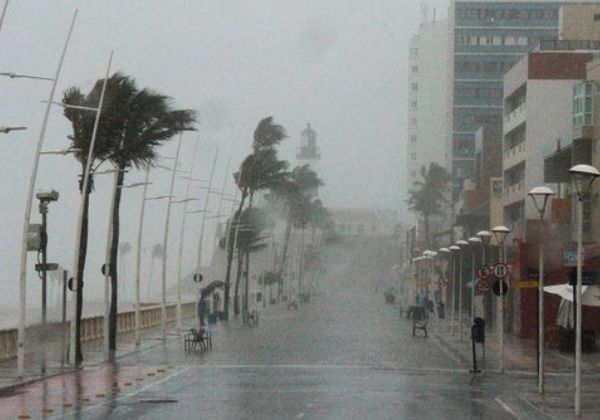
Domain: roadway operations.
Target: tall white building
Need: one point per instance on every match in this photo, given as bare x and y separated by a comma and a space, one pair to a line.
427, 99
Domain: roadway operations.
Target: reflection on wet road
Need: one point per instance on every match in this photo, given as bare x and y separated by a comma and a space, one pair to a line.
345, 355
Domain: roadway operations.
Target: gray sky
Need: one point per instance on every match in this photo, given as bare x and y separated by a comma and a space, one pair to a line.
338, 64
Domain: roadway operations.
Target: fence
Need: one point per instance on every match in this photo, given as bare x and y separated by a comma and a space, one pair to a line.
92, 328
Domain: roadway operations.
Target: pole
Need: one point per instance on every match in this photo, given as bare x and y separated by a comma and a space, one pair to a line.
473, 284
460, 281
138, 259
182, 234
578, 320
163, 301
85, 186
28, 205
500, 317
64, 319
453, 292
107, 268
3, 15
206, 201
44, 213
541, 315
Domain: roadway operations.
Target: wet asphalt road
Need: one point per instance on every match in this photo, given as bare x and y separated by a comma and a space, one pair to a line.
345, 355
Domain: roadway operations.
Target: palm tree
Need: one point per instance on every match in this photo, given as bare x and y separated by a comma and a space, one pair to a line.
132, 127
295, 193
428, 197
259, 171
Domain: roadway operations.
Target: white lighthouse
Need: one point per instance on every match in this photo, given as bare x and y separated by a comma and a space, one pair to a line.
308, 152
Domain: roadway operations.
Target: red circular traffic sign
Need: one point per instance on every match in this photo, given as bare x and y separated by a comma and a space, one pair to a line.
483, 272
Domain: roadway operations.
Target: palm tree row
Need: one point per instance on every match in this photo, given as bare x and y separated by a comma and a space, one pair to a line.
134, 123
290, 192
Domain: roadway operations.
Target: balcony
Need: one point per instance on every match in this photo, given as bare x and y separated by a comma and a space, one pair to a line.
514, 155
515, 118
513, 193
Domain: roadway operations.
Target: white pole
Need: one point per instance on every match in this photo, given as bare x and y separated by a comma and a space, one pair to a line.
578, 309
460, 286
541, 315
500, 317
205, 210
107, 265
3, 15
220, 208
28, 205
163, 301
138, 259
182, 234
473, 283
85, 184
453, 292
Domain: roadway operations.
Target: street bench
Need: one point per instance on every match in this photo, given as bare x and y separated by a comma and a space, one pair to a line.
419, 318
250, 318
197, 337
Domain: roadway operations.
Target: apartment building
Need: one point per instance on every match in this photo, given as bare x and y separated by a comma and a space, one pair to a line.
486, 39
427, 89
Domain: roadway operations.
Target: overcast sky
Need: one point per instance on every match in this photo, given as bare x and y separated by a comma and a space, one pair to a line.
338, 64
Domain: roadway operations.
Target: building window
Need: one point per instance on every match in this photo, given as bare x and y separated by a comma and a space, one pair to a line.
510, 40
413, 139
413, 156
597, 17
414, 86
413, 122
413, 104
497, 40
521, 40
415, 69
414, 52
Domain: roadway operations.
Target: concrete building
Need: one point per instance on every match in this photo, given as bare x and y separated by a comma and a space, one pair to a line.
580, 22
427, 95
486, 39
532, 128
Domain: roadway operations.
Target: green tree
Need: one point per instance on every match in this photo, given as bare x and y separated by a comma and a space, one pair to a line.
133, 124
260, 170
429, 195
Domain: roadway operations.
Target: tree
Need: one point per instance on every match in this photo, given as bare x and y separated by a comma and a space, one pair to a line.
259, 171
134, 123
429, 195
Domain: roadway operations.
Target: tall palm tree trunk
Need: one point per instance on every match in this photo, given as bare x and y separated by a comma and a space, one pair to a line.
114, 255
238, 276
230, 250
81, 264
246, 282
286, 244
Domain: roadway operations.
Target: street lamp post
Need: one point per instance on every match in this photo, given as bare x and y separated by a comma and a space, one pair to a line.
6, 130
163, 301
182, 234
462, 244
455, 251
540, 197
28, 206
475, 241
583, 176
500, 233
206, 201
444, 253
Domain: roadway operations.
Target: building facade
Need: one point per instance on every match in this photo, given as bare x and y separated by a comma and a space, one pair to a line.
486, 39
427, 92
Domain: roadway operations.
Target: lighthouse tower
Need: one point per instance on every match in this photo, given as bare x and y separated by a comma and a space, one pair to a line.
308, 152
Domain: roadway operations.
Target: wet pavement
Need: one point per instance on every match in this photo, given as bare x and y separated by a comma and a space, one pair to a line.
345, 355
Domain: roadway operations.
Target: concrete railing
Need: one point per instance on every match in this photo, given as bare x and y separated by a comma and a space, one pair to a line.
92, 327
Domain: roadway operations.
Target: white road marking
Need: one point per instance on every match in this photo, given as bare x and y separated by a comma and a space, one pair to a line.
506, 408
299, 416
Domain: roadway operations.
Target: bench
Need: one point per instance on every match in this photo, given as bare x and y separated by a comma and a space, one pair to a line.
250, 318
418, 315
195, 337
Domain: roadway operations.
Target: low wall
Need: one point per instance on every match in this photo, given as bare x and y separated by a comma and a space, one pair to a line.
92, 328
